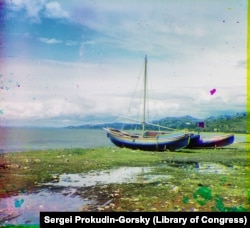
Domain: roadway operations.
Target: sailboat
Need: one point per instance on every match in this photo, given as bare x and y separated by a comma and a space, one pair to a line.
147, 140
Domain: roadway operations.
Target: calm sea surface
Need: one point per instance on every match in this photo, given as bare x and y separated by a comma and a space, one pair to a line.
23, 139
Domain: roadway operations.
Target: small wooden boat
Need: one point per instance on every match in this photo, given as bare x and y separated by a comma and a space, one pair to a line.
213, 142
148, 142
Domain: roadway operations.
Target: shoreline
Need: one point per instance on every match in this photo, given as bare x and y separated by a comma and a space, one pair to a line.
239, 137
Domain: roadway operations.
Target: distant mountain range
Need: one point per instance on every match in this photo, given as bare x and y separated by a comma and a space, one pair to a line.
223, 123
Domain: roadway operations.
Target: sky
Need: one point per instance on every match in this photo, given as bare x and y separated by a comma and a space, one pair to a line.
80, 62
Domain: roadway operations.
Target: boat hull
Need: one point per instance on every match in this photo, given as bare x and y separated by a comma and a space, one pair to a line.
159, 143
218, 141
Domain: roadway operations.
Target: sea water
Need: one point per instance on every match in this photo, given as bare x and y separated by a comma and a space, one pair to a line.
14, 139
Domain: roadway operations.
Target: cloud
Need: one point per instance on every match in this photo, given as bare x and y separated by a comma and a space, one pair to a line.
50, 41
50, 89
36, 9
54, 10
165, 30
71, 43
32, 8
192, 49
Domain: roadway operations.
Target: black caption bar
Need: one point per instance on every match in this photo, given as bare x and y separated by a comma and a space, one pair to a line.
144, 219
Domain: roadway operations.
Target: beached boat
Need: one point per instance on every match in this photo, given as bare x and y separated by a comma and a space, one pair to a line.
158, 142
148, 140
216, 141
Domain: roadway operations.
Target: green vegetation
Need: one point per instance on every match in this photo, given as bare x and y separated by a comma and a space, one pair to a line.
186, 190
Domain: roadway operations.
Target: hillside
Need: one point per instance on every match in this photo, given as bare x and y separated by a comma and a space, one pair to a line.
224, 123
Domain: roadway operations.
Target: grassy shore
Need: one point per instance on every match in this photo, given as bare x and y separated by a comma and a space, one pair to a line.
187, 190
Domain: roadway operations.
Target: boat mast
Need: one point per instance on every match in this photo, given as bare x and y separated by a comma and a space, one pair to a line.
144, 96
